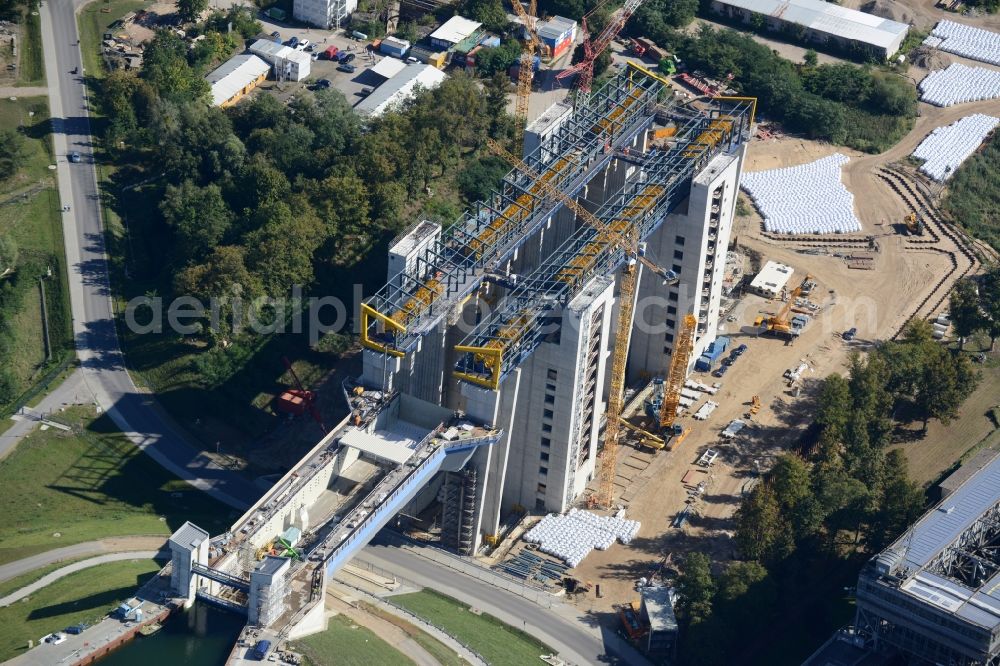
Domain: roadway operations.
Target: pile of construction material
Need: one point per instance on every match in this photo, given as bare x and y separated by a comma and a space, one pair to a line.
966, 41
805, 199
959, 84
946, 148
571, 537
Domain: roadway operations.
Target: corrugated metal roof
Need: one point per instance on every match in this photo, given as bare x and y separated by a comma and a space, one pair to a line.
455, 29
659, 610
189, 534
399, 88
388, 67
273, 50
829, 18
555, 27
234, 75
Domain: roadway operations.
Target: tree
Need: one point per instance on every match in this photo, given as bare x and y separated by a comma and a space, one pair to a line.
199, 217
499, 59
811, 58
11, 150
989, 294
902, 503
481, 178
964, 308
793, 490
223, 278
8, 386
488, 12
8, 253
697, 588
165, 67
761, 531
190, 10
834, 406
946, 381
282, 247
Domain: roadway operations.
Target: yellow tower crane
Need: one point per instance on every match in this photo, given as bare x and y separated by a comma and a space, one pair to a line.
525, 70
628, 241
677, 374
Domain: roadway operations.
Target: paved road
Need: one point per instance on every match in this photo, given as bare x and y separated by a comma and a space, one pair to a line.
136, 413
50, 578
72, 391
561, 628
123, 544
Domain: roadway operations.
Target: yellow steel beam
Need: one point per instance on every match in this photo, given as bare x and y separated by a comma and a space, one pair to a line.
491, 357
752, 100
369, 313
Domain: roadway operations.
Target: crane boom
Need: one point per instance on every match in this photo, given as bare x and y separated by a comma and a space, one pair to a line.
628, 241
677, 372
525, 68
592, 48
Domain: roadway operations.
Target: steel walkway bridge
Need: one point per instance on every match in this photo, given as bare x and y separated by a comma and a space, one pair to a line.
471, 249
221, 577
503, 341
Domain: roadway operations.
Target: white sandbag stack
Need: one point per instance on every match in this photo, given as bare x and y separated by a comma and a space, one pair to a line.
946, 148
966, 41
805, 199
958, 84
571, 537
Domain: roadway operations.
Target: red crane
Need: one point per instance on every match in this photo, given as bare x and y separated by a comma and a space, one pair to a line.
593, 47
298, 401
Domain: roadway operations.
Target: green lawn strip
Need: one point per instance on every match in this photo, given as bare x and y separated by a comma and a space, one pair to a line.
347, 644
498, 643
444, 654
93, 23
82, 596
32, 65
16, 583
88, 484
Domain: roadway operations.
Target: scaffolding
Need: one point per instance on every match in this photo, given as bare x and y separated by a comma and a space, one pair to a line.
458, 510
469, 251
530, 311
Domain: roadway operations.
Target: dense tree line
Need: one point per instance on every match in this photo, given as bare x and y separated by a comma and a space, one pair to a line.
973, 198
851, 495
861, 107
267, 195
975, 306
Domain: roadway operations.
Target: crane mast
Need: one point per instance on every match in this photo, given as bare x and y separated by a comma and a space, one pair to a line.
677, 373
525, 70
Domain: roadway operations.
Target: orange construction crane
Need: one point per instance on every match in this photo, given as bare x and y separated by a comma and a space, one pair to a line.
525, 71
626, 239
779, 323
677, 373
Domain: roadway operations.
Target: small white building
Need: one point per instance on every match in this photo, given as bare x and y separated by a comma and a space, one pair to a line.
453, 31
289, 64
235, 78
399, 88
388, 67
771, 279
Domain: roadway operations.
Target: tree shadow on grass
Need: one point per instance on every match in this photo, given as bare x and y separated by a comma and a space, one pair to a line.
105, 598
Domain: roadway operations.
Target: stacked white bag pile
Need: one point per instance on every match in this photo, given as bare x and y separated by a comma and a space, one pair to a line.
959, 84
571, 537
805, 199
966, 41
946, 148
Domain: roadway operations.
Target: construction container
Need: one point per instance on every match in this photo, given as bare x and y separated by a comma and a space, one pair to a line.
394, 47
359, 36
330, 53
438, 59
557, 35
276, 13
470, 57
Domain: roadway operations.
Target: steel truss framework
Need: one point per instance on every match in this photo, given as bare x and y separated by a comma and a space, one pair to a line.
974, 557
454, 266
529, 313
884, 635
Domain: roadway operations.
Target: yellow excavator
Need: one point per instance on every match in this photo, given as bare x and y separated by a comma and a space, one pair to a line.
914, 225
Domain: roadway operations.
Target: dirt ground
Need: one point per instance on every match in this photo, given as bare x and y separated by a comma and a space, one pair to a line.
877, 302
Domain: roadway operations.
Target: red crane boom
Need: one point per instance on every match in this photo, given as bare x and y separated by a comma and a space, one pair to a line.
593, 47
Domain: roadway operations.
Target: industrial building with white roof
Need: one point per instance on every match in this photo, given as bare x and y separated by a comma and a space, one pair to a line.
235, 78
934, 594
400, 88
821, 22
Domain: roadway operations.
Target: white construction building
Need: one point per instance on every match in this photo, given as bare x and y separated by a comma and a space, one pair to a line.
288, 63
771, 279
235, 78
400, 88
326, 14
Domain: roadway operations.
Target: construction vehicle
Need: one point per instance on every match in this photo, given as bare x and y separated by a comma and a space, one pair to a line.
914, 225
525, 72
628, 242
780, 324
298, 401
754, 406
595, 46
631, 619
576, 586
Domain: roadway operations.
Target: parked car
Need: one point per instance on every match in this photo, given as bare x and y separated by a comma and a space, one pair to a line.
349, 57
729, 360
323, 84
739, 351
74, 157
55, 639
75, 629
350, 69
366, 91
849, 334
303, 44
276, 35
293, 42
721, 370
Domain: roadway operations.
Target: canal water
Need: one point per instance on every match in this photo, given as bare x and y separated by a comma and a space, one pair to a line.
200, 636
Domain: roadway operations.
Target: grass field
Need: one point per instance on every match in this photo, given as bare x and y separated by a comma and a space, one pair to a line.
83, 596
88, 484
32, 66
347, 644
944, 445
444, 654
498, 643
29, 213
16, 583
